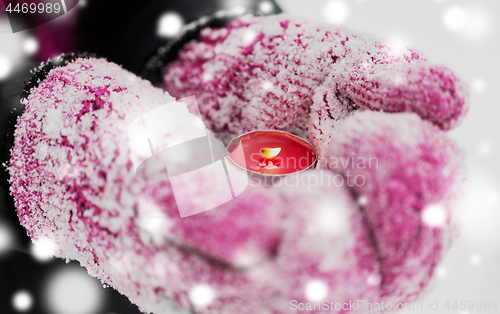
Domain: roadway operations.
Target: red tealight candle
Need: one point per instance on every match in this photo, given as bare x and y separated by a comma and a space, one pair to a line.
272, 152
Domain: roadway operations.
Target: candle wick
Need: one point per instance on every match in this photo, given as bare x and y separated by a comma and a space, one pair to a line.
270, 165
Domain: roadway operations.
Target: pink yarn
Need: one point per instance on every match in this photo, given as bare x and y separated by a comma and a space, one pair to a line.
294, 75
272, 247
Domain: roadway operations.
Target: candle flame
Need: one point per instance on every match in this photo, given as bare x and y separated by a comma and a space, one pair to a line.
269, 153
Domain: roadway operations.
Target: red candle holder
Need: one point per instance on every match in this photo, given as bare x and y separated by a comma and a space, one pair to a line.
272, 153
